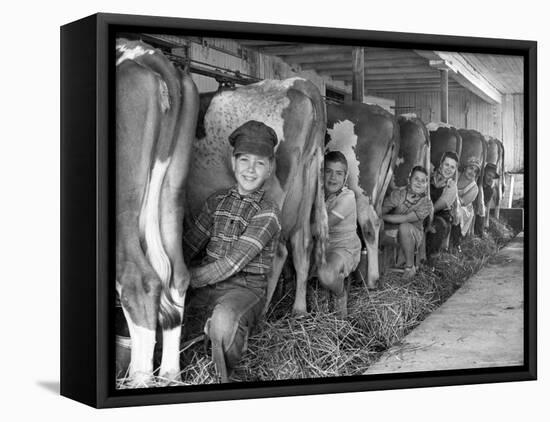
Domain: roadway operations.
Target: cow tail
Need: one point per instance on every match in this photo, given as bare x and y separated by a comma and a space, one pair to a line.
320, 226
171, 103
316, 137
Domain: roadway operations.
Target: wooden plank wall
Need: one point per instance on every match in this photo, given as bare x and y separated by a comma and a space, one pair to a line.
230, 58
512, 131
466, 110
228, 54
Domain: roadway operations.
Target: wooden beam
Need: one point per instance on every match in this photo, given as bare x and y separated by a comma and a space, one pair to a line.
418, 61
381, 70
358, 74
343, 73
370, 67
465, 74
390, 55
420, 89
318, 58
304, 49
444, 95
394, 84
258, 43
347, 76
435, 85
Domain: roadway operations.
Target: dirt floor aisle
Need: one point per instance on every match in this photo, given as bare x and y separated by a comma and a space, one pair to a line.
481, 325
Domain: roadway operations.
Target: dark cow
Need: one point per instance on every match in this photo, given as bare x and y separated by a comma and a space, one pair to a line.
156, 112
474, 145
493, 178
295, 110
369, 138
414, 148
443, 138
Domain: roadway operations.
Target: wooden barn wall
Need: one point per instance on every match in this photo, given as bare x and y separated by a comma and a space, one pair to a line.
228, 54
230, 58
512, 131
466, 110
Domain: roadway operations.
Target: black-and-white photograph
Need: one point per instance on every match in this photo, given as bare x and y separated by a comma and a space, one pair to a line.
289, 210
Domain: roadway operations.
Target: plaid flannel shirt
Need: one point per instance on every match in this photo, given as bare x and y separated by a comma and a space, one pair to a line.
240, 233
403, 201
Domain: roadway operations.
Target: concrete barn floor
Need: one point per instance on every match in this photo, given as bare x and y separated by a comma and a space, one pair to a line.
480, 326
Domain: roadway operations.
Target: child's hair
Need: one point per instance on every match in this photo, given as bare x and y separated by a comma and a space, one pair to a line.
421, 169
450, 154
336, 157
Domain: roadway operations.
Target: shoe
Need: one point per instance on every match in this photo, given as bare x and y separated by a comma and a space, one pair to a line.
409, 272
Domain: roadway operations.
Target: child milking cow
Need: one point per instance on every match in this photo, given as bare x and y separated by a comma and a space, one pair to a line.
236, 232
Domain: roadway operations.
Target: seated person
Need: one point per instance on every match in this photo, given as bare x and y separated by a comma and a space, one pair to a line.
238, 230
443, 192
467, 193
344, 246
489, 176
406, 208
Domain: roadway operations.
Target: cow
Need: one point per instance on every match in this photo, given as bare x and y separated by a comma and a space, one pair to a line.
443, 138
368, 136
296, 112
493, 178
474, 145
156, 113
414, 148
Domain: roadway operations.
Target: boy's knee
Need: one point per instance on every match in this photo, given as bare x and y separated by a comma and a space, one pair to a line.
405, 228
330, 277
222, 325
223, 328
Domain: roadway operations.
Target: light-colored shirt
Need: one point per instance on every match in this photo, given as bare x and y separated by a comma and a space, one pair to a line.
342, 205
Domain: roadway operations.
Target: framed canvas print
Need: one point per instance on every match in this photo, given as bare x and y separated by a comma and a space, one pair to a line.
253, 210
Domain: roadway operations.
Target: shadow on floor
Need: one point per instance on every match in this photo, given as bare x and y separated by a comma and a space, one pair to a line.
51, 386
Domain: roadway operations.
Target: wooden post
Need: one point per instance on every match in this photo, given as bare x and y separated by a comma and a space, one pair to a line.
358, 72
444, 95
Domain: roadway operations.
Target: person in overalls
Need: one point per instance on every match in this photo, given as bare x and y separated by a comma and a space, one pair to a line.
237, 231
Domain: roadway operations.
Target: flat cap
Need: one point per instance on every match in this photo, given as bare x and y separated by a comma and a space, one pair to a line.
494, 167
253, 137
474, 162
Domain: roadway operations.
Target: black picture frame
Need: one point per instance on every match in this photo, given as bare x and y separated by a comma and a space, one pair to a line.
87, 195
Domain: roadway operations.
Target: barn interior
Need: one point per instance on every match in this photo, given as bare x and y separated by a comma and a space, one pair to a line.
468, 90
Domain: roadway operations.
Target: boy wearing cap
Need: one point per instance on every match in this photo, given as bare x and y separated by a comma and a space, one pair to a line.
237, 231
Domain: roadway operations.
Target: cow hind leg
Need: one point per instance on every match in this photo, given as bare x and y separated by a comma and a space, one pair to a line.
171, 338
139, 296
278, 263
371, 231
301, 249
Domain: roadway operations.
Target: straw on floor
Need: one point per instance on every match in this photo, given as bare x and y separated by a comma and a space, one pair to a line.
322, 345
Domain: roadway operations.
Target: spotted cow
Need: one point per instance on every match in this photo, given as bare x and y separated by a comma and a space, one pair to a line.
368, 136
295, 110
156, 112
